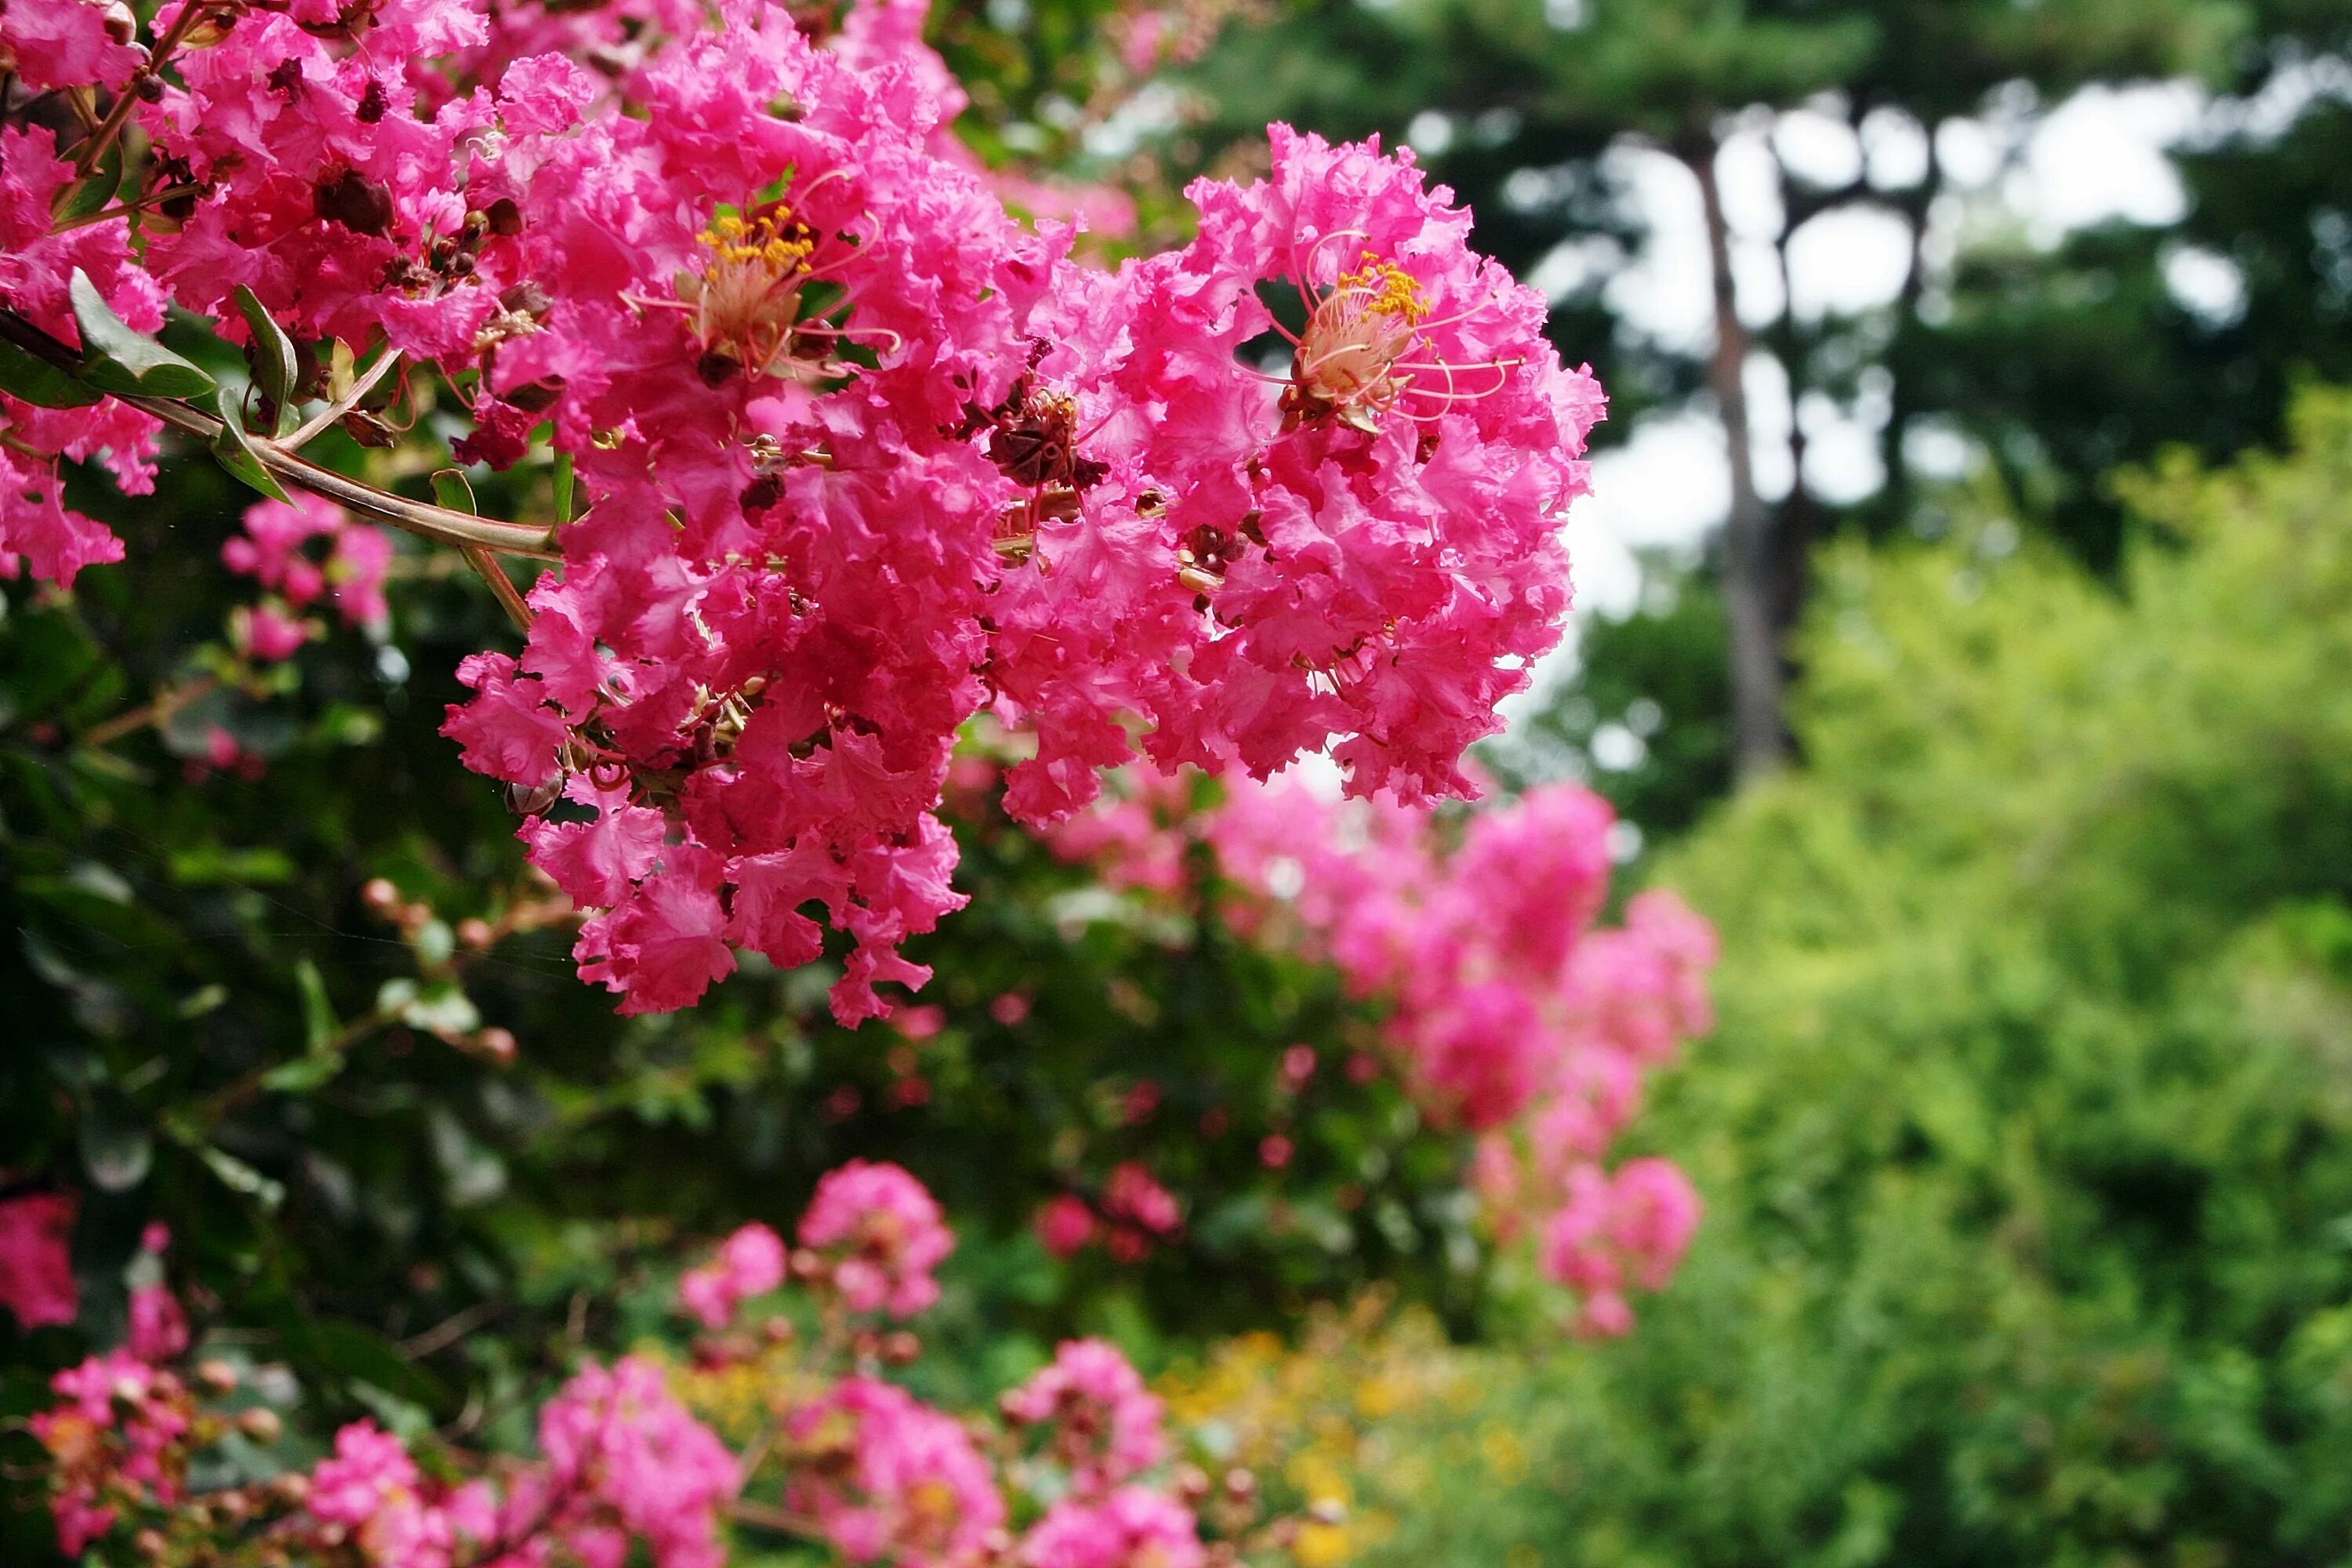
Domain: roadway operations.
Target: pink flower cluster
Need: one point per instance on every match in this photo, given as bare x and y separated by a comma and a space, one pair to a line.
117, 1437
886, 1477
878, 1234
37, 1279
371, 1491
1133, 1214
1096, 1417
1510, 1013
862, 455
276, 551
625, 1472
159, 1325
748, 1263
1616, 1230
624, 1461
1131, 1528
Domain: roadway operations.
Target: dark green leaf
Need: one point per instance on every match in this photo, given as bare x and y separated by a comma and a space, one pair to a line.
39, 382
318, 1025
276, 367
90, 194
122, 361
238, 454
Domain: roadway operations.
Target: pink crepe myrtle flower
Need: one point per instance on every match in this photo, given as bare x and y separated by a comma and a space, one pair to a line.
1133, 1194
1064, 1224
748, 1263
1511, 1012
37, 1279
276, 550
159, 1328
371, 1489
266, 633
630, 1463
1616, 1231
879, 1235
117, 1436
1097, 1418
1131, 1528
862, 455
890, 1478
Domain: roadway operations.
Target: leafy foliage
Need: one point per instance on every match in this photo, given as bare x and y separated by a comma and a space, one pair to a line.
2024, 1139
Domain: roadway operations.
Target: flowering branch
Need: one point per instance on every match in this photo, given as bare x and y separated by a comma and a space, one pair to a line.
439, 524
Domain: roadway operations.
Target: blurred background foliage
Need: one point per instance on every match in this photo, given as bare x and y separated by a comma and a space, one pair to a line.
2024, 1137
2048, 361
2027, 1133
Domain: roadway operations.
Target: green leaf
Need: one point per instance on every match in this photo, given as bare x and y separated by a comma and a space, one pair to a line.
354, 1352
562, 487
303, 1074
276, 366
90, 194
122, 361
39, 382
451, 490
240, 1177
320, 1028
238, 454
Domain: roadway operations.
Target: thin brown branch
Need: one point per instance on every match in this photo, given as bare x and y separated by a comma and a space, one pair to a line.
450, 1329
423, 519
106, 731
769, 1517
316, 425
508, 596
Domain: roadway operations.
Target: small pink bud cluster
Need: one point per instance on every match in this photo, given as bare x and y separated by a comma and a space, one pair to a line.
862, 456
1132, 1214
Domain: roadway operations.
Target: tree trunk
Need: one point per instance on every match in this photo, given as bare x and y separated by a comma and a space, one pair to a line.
1789, 541
1759, 739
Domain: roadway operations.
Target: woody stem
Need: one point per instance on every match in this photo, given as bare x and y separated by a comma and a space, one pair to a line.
460, 529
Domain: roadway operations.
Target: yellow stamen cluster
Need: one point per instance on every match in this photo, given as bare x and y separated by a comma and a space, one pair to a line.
781, 247
1392, 291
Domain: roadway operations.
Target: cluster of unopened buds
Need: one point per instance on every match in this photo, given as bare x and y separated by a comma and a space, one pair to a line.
839, 453
1506, 1010
435, 1002
782, 1424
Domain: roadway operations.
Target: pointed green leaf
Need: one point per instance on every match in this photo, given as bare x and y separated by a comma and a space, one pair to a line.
452, 491
90, 194
237, 453
276, 366
39, 382
318, 1025
122, 361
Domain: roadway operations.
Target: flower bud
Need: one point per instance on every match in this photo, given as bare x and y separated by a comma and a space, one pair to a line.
260, 1424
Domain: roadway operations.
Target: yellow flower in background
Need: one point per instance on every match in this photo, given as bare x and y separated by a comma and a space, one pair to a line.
1321, 1545
1505, 1455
